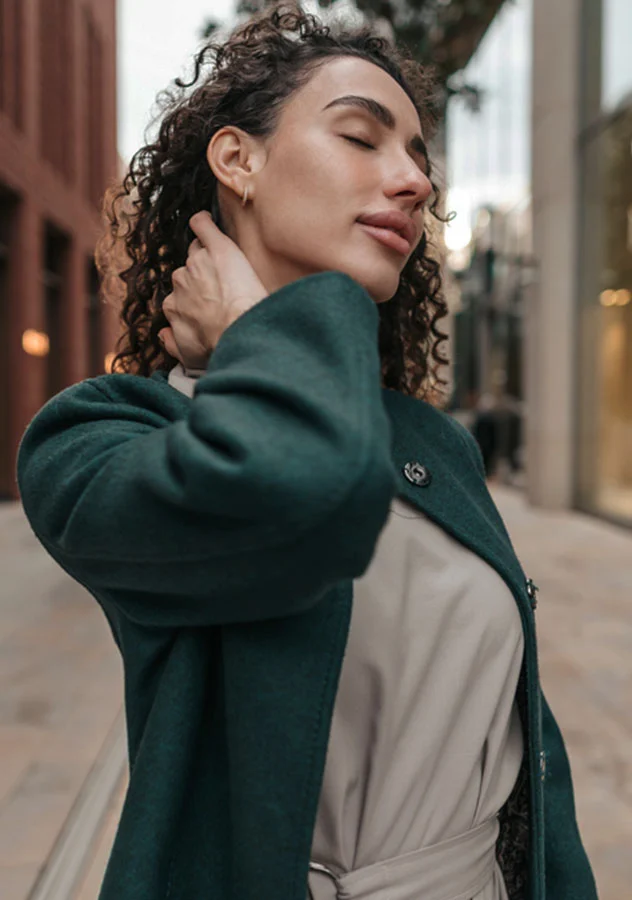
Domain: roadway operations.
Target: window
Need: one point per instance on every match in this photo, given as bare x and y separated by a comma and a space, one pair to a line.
94, 324
94, 137
616, 65
56, 69
11, 60
55, 277
7, 218
605, 369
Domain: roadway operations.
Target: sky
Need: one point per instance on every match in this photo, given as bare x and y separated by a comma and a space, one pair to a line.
156, 42
489, 151
617, 67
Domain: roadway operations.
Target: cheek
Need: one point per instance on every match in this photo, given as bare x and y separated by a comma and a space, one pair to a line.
310, 196
289, 189
305, 200
316, 175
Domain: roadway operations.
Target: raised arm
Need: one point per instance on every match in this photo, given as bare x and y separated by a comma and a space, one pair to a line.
274, 485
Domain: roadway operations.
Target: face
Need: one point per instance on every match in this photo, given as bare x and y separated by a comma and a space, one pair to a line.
328, 164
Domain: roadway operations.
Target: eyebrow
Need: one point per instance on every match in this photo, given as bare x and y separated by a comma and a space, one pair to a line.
384, 116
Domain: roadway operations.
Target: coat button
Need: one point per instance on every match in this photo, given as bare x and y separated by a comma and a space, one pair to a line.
532, 590
417, 474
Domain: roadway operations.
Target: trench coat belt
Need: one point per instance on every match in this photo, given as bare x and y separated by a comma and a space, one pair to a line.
455, 869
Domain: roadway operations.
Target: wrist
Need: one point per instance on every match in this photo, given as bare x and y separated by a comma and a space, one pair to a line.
194, 372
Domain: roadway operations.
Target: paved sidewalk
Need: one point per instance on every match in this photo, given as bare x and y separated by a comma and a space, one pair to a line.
61, 689
61, 693
583, 567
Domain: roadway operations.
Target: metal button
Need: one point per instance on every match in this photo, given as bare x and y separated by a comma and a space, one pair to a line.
417, 474
542, 765
532, 590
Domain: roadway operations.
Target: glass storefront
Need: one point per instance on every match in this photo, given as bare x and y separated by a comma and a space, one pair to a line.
605, 332
616, 59
489, 242
488, 147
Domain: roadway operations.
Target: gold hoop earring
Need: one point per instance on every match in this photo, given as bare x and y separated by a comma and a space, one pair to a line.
244, 199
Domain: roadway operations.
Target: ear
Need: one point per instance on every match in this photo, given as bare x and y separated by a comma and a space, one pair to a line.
234, 156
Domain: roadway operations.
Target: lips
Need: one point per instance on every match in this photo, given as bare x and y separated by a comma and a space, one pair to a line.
394, 221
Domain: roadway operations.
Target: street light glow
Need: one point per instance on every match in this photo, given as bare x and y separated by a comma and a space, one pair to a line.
615, 298
35, 343
457, 235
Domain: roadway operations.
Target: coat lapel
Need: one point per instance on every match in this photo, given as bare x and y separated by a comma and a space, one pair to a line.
450, 490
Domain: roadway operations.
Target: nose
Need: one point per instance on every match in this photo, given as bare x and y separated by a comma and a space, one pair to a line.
409, 181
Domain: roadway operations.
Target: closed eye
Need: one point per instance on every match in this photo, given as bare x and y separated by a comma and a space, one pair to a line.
361, 143
356, 140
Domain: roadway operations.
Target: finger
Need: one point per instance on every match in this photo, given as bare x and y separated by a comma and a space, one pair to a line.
202, 273
179, 277
194, 247
203, 226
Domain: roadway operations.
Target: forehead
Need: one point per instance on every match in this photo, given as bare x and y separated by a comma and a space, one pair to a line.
349, 75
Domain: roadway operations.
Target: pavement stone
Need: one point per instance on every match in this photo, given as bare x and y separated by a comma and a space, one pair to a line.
61, 692
90, 884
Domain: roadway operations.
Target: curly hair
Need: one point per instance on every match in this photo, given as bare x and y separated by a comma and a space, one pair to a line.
263, 62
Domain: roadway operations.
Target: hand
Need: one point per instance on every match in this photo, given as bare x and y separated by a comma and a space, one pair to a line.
215, 287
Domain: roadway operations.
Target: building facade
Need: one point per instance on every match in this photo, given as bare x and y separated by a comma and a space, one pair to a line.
572, 252
57, 155
579, 366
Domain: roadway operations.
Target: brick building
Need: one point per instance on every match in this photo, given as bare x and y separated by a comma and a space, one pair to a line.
57, 154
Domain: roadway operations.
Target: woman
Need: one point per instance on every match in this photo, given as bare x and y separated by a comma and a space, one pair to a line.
331, 678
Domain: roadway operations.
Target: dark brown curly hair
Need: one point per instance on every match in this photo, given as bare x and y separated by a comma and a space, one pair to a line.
263, 62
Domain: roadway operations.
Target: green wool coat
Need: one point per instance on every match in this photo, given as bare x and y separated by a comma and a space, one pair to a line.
221, 536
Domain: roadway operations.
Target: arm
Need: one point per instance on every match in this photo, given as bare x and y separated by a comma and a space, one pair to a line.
274, 486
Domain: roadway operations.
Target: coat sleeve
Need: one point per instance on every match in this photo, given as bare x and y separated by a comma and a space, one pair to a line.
568, 872
273, 487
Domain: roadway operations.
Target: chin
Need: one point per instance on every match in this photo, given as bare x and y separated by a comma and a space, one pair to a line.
379, 273
381, 287
380, 280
